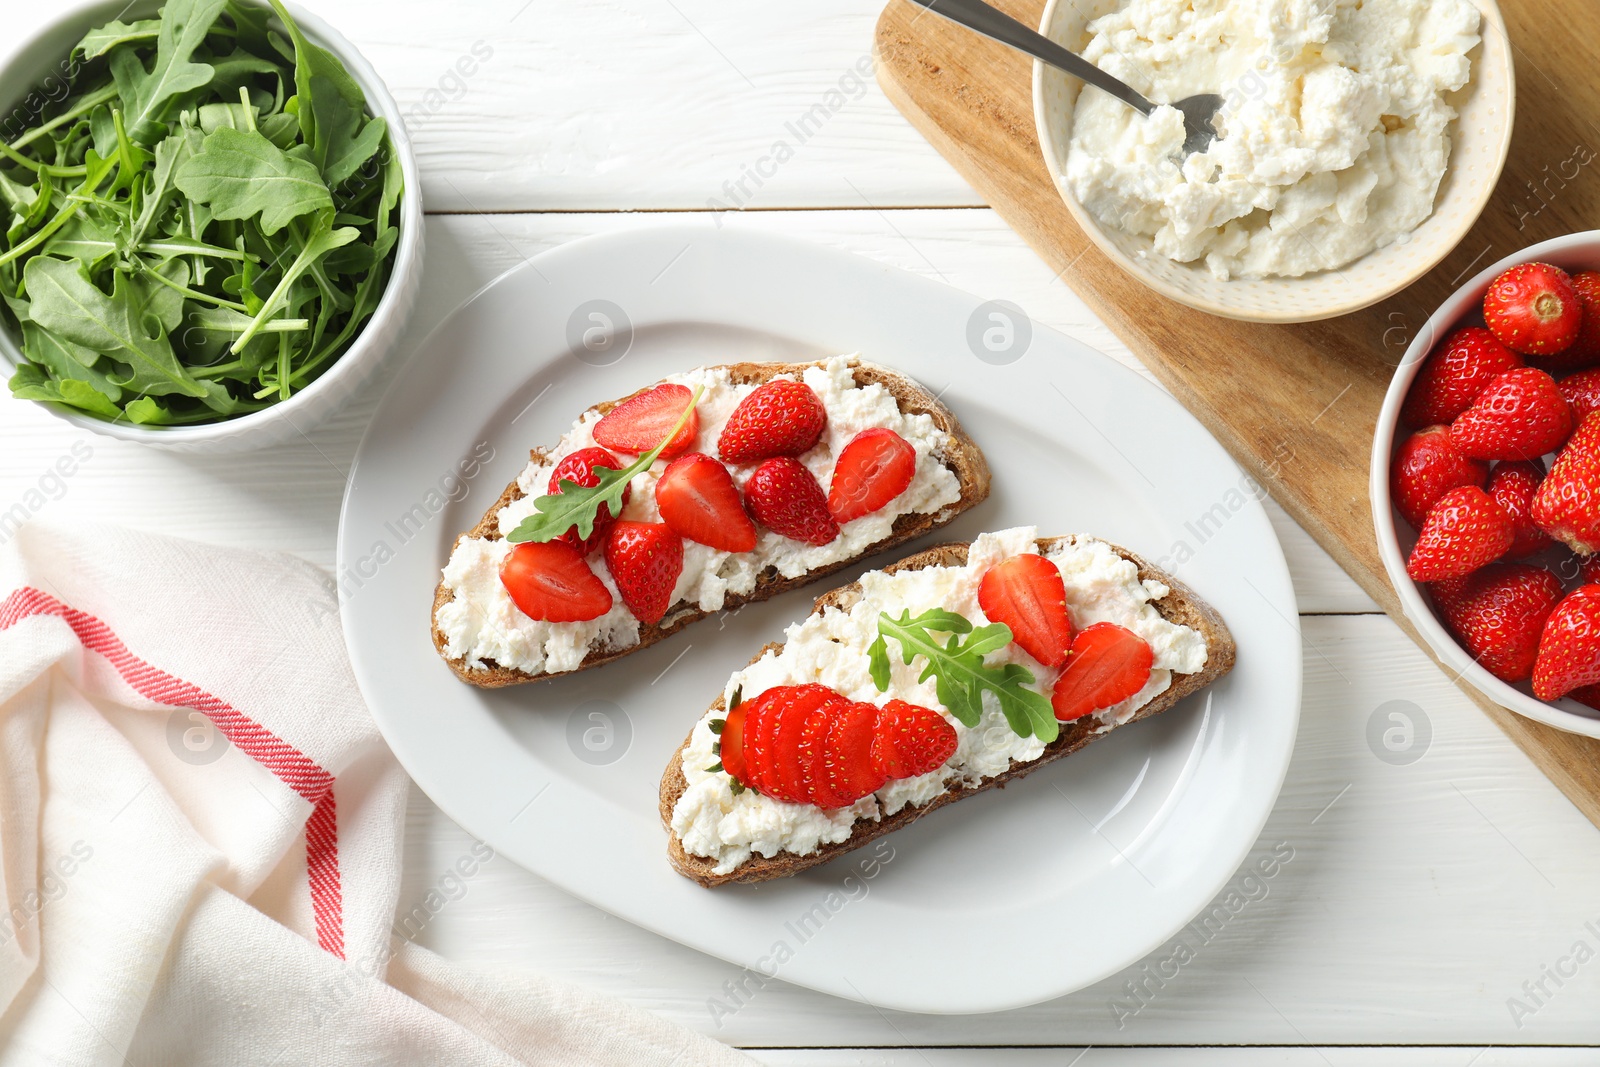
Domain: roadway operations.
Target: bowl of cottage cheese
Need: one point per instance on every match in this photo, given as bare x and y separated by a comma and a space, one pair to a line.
1359, 141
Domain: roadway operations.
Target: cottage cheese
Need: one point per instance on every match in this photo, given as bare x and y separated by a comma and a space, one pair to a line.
481, 623
1333, 138
831, 648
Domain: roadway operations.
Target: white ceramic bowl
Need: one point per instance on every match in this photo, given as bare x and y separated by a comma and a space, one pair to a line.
1580, 251
1481, 136
31, 62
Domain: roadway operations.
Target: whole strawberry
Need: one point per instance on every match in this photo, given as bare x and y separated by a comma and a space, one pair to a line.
1585, 351
1534, 309
1426, 467
1465, 530
1569, 648
1581, 391
1512, 485
780, 418
1519, 416
1499, 613
1567, 505
784, 496
1455, 375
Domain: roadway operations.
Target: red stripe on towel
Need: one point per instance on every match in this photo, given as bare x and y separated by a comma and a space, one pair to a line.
292, 766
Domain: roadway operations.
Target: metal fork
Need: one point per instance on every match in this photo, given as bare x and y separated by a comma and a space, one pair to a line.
1199, 111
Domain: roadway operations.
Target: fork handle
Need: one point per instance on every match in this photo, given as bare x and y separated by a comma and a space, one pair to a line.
979, 16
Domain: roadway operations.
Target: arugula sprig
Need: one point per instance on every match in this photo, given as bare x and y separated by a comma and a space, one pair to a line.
576, 505
960, 675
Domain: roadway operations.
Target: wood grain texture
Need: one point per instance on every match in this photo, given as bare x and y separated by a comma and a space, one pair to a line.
1296, 405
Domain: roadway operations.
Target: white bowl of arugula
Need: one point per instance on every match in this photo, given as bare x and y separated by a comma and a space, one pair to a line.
213, 235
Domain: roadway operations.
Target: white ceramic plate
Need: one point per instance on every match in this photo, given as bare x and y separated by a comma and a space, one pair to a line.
1010, 898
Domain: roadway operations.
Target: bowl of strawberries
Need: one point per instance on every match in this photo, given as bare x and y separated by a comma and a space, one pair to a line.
1486, 483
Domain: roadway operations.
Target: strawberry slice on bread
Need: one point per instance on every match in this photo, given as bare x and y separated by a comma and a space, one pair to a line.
795, 764
655, 491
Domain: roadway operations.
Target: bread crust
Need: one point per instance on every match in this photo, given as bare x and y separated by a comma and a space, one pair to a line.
964, 458
1182, 605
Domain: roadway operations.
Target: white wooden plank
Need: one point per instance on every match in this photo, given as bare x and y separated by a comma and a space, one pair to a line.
520, 105
289, 496
1418, 901
1296, 1056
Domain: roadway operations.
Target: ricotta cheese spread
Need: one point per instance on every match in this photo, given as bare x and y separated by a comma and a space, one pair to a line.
831, 648
1333, 137
481, 623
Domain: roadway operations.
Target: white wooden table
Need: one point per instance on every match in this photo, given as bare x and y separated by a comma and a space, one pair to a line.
1424, 900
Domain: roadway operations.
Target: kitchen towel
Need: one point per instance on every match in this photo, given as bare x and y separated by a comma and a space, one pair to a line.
200, 831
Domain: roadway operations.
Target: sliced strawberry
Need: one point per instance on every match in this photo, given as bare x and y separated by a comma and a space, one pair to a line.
551, 582
697, 498
641, 422
851, 772
1581, 391
645, 559
874, 468
787, 776
1455, 375
1534, 309
1465, 530
911, 740
816, 784
783, 496
770, 720
1569, 648
730, 741
1426, 467
1519, 416
1108, 665
807, 744
579, 468
779, 418
1512, 486
1567, 503
1027, 594
1499, 613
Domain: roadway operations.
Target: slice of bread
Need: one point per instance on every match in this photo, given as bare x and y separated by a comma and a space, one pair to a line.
963, 458
1181, 606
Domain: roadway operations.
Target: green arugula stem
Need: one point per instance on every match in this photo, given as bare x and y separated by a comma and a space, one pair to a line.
274, 302
65, 215
194, 294
48, 170
196, 249
100, 96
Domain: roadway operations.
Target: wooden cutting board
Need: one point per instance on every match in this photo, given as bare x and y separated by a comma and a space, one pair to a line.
1295, 405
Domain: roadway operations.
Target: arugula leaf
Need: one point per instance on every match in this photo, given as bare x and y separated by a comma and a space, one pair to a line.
184, 26
961, 677
316, 70
84, 395
576, 505
98, 42
65, 360
68, 304
240, 174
